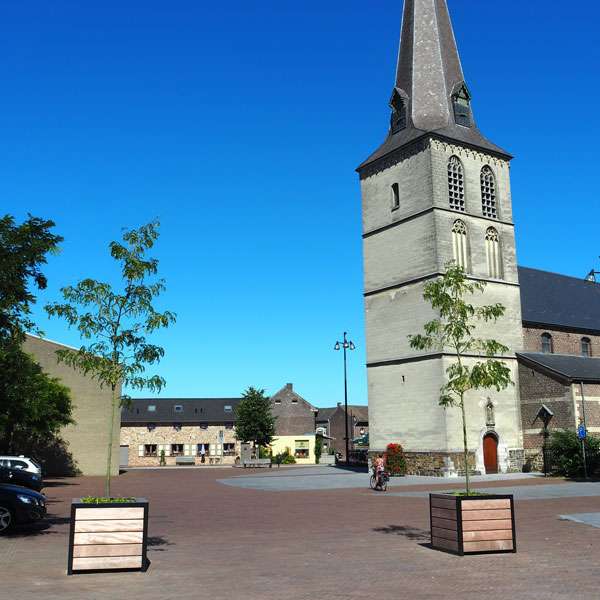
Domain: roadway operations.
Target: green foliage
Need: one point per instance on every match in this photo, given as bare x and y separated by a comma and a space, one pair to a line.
254, 420
95, 500
115, 323
566, 457
163, 459
395, 463
23, 250
33, 406
318, 448
454, 332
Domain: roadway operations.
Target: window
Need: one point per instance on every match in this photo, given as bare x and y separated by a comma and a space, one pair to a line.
227, 408
150, 450
277, 401
395, 196
398, 118
488, 193
492, 250
462, 107
203, 425
301, 449
18, 464
178, 408
151, 407
547, 345
228, 425
456, 184
229, 449
176, 449
202, 449
586, 347
459, 244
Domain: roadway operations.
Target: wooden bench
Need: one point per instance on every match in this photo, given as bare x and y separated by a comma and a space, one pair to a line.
257, 463
185, 460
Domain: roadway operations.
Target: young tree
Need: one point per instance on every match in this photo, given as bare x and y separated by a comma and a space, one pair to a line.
254, 420
116, 323
454, 331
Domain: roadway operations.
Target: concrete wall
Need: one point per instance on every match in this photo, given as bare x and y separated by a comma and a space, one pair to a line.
87, 439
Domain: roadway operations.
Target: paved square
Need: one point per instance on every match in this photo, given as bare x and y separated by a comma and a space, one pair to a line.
215, 541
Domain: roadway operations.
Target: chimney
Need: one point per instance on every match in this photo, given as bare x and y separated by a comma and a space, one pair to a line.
289, 386
339, 404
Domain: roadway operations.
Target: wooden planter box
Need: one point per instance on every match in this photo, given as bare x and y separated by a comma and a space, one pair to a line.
108, 537
472, 524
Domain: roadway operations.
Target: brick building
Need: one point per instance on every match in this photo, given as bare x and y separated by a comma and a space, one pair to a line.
330, 422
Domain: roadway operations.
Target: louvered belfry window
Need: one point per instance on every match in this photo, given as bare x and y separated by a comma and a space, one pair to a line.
488, 193
456, 184
492, 250
460, 245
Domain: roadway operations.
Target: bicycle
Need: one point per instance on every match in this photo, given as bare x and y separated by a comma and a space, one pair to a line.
379, 484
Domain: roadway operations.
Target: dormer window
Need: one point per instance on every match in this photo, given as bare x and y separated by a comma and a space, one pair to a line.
461, 102
398, 118
227, 408
178, 408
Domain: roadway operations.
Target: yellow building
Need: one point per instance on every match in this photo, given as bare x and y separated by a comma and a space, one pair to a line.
301, 447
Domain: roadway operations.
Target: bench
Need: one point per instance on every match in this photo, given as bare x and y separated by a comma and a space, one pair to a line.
257, 463
185, 460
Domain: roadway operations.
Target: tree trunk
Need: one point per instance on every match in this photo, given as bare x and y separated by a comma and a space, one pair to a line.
465, 446
110, 442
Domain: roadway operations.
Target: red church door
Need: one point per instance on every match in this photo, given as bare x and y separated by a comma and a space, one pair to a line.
490, 453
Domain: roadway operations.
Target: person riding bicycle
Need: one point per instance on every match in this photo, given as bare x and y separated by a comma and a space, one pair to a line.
379, 468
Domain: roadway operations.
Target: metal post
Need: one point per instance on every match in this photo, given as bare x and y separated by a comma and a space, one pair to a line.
345, 345
545, 449
585, 470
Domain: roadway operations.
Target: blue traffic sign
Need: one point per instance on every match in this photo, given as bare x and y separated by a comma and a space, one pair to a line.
581, 432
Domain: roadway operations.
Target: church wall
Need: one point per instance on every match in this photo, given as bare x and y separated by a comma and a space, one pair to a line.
564, 342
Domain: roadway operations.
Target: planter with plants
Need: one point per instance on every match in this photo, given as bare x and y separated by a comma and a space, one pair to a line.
466, 523
108, 535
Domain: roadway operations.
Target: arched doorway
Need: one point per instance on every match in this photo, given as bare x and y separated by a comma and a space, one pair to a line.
490, 453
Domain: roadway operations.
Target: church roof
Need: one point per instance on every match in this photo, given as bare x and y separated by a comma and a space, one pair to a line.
565, 366
555, 300
428, 75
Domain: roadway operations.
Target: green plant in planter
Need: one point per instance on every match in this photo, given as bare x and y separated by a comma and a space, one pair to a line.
163, 459
453, 332
95, 500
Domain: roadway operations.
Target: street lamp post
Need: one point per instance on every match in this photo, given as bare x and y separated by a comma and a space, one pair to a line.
345, 345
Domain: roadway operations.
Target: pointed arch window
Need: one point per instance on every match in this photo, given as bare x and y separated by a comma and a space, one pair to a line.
488, 193
456, 184
493, 254
547, 344
586, 347
460, 244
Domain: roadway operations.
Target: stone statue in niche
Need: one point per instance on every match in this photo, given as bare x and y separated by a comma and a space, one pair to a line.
490, 419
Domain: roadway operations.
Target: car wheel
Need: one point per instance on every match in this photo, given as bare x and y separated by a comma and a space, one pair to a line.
6, 519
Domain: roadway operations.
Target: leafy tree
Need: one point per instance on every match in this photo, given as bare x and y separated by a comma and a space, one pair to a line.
454, 332
23, 251
254, 420
566, 458
33, 406
115, 323
318, 448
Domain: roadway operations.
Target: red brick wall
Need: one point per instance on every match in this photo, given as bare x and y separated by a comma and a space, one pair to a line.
564, 342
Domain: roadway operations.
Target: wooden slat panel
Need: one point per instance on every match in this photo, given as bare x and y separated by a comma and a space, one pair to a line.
487, 525
488, 546
443, 523
480, 536
483, 515
447, 534
443, 503
99, 514
444, 513
109, 525
107, 550
126, 537
485, 504
107, 562
446, 544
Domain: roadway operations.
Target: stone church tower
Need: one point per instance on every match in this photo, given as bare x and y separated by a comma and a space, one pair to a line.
436, 190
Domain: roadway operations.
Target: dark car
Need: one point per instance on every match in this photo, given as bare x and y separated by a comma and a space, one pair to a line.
19, 505
21, 477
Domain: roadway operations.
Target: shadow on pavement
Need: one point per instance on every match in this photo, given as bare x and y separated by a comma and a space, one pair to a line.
40, 528
155, 543
410, 533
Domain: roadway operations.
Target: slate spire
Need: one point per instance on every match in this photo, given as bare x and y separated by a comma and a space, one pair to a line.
430, 93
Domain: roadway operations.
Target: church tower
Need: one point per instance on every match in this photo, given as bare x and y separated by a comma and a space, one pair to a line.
436, 190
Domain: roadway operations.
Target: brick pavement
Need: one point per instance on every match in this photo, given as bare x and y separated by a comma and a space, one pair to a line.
211, 541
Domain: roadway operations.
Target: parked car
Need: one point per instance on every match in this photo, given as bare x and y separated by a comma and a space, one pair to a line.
21, 462
21, 477
18, 505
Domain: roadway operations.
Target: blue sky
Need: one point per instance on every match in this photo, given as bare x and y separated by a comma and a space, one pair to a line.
239, 126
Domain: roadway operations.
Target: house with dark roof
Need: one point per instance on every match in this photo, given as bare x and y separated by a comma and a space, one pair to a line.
330, 424
559, 368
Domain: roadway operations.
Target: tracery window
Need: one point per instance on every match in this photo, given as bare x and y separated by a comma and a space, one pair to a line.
460, 245
488, 193
492, 251
456, 184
